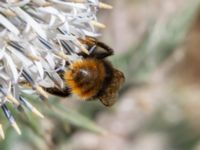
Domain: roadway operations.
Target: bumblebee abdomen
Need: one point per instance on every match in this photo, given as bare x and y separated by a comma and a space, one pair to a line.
85, 77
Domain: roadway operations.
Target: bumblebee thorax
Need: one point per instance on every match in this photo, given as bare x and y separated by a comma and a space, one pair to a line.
85, 77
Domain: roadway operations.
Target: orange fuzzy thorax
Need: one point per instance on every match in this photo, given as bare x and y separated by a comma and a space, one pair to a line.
85, 77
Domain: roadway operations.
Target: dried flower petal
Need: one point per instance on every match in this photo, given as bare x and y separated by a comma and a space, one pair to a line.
37, 38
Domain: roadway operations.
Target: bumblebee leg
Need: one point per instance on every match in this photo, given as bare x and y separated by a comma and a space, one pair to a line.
58, 92
93, 48
95, 52
107, 50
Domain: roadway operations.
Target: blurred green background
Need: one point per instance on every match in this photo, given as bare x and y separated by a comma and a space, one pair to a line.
156, 45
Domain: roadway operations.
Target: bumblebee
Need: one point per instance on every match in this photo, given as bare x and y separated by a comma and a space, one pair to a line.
92, 77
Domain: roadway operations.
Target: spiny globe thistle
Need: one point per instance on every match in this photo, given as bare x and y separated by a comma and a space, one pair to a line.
37, 37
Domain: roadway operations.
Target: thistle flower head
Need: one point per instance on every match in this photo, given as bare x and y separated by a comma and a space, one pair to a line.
36, 39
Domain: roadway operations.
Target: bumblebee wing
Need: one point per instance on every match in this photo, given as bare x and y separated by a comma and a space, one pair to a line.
109, 100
